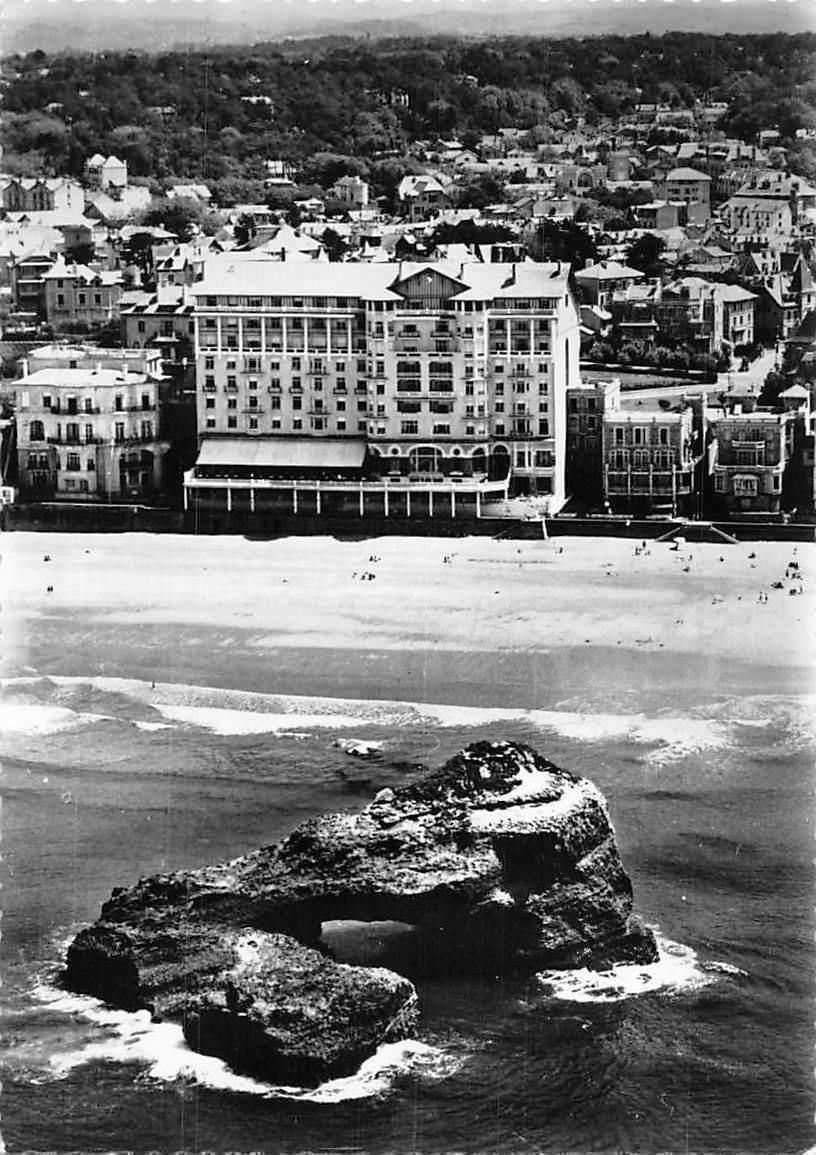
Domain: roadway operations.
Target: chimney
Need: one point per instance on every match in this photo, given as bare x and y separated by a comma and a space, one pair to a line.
24, 364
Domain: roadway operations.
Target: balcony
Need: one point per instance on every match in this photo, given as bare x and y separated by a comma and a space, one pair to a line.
251, 409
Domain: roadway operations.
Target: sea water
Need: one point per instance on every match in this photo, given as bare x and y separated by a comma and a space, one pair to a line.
709, 1049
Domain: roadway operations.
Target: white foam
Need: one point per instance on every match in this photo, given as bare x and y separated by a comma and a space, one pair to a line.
678, 970
131, 1037
235, 712
231, 722
34, 719
150, 727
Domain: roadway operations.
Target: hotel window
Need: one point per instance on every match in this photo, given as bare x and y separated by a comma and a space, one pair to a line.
470, 430
341, 406
409, 427
253, 384
619, 437
232, 423
362, 406
341, 425
253, 402
209, 403
209, 381
441, 429
117, 402
90, 465
318, 423
500, 428
97, 298
499, 388
211, 423
72, 462
297, 423
499, 407
544, 428
89, 432
361, 426
232, 382
664, 437
468, 390
297, 403
341, 383
253, 423
232, 403
119, 431
318, 385
276, 423
296, 383
274, 402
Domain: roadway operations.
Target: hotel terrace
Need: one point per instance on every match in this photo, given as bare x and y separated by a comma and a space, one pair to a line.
379, 389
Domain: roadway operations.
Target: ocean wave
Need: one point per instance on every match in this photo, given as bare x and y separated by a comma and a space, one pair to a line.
236, 712
160, 1048
678, 970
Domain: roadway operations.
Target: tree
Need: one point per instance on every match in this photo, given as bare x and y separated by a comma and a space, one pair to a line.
334, 244
244, 229
645, 253
563, 241
481, 191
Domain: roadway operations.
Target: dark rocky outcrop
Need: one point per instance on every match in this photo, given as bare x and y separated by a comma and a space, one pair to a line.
500, 859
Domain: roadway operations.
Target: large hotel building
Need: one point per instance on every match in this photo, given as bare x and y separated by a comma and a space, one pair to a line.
379, 389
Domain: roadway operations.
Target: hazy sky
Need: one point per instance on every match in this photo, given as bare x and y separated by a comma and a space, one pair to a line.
83, 24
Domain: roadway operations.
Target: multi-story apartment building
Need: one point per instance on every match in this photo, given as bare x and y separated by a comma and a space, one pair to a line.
651, 458
447, 378
587, 401
87, 424
27, 275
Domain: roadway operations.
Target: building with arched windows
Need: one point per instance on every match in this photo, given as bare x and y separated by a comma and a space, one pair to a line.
88, 424
448, 379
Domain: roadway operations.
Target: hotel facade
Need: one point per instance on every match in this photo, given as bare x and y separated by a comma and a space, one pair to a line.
387, 389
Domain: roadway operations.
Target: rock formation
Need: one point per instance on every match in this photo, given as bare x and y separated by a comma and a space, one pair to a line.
500, 859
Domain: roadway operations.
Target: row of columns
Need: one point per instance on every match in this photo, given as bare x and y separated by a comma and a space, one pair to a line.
319, 506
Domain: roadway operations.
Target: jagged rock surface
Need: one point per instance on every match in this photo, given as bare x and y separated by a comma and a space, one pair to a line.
500, 858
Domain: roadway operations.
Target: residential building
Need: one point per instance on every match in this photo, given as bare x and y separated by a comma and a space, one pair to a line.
41, 194
27, 276
422, 196
753, 454
87, 425
447, 380
687, 184
106, 172
79, 296
351, 190
738, 308
599, 282
164, 321
652, 458
587, 401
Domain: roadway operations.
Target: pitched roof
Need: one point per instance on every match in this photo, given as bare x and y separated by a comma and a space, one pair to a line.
687, 174
607, 271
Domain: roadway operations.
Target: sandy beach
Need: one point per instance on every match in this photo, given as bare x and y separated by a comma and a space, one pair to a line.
305, 612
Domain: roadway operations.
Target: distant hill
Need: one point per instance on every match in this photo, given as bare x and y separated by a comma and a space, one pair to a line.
99, 25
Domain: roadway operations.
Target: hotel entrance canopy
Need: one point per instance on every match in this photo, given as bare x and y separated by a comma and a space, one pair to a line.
243, 455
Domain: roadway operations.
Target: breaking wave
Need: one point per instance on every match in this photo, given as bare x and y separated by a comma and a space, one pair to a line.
678, 970
160, 1048
157, 706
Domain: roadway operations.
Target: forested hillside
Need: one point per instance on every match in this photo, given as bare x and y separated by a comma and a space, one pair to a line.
218, 114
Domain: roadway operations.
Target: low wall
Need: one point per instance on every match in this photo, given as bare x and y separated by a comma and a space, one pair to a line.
145, 519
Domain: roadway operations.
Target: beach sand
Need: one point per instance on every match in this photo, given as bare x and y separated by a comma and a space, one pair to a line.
495, 623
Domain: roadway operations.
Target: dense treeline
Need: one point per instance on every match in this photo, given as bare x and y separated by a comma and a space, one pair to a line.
217, 114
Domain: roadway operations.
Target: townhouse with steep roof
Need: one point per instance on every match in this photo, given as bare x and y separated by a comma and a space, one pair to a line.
106, 172
422, 196
41, 194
